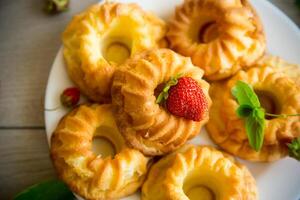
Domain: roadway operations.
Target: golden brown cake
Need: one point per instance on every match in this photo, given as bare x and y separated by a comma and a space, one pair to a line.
199, 173
278, 94
221, 36
146, 125
99, 39
291, 70
87, 174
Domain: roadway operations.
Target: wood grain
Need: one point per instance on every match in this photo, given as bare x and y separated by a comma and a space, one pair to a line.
29, 41
24, 160
289, 8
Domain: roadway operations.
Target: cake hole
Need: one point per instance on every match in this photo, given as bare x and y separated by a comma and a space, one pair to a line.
268, 102
202, 183
117, 52
200, 193
208, 32
102, 146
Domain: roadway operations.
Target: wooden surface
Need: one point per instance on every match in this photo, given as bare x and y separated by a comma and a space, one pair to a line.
29, 40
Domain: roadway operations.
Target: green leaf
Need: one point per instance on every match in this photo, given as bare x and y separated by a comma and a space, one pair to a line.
294, 149
244, 111
254, 115
164, 93
245, 95
298, 3
255, 125
251, 111
49, 190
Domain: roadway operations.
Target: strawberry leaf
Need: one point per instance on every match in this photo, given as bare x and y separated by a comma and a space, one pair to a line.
164, 93
294, 149
245, 95
255, 125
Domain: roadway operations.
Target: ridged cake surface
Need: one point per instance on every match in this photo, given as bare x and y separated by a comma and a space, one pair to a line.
87, 174
291, 70
278, 94
102, 37
146, 125
221, 36
199, 172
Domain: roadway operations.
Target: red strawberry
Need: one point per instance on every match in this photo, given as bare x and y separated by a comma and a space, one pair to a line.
70, 97
186, 99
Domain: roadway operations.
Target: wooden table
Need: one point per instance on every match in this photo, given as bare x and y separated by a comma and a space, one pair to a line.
29, 41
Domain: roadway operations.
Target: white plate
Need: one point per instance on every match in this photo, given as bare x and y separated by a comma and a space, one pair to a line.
278, 180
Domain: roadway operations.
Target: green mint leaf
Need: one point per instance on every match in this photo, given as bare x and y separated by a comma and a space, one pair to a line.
245, 95
294, 149
244, 111
164, 93
255, 125
49, 190
254, 115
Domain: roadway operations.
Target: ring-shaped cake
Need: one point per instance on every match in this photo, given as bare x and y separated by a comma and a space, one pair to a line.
87, 174
98, 40
199, 173
145, 124
221, 36
278, 94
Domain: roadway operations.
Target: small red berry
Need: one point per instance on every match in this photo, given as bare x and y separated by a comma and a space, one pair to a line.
187, 99
70, 97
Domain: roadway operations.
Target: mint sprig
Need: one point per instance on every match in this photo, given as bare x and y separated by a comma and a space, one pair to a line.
165, 92
294, 148
250, 110
48, 190
255, 125
254, 115
245, 95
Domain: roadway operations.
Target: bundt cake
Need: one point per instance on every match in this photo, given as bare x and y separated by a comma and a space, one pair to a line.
221, 36
278, 94
199, 173
147, 125
89, 175
99, 39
